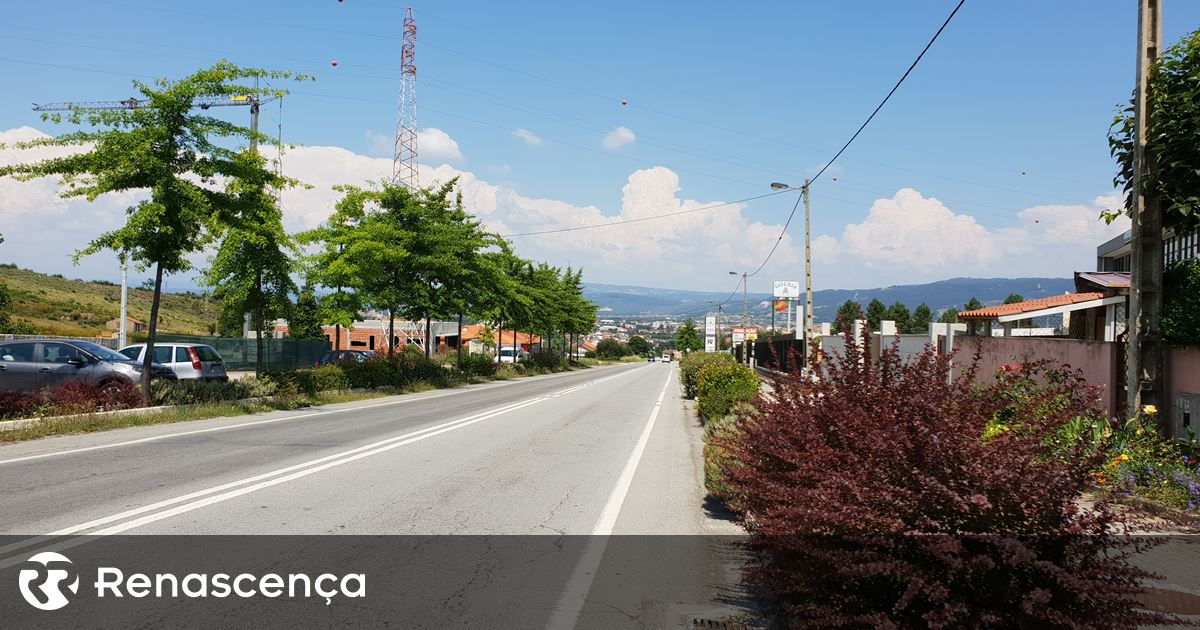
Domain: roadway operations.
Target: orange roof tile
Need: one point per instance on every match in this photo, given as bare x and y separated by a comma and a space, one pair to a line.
992, 312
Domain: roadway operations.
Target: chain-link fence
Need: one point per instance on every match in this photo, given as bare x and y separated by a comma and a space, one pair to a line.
278, 354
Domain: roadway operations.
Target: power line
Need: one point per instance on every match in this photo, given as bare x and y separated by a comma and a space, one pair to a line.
895, 87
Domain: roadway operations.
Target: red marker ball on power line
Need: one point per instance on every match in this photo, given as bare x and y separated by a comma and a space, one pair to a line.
624, 102
333, 63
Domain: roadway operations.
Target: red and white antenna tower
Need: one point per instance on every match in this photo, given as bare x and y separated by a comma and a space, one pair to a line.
404, 165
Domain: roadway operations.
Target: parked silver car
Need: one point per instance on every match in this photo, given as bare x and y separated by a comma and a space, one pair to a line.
31, 365
187, 360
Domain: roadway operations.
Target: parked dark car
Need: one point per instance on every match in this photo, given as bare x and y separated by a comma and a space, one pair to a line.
32, 365
337, 357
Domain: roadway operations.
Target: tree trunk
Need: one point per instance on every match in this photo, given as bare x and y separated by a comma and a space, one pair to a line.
391, 331
515, 353
337, 336
428, 337
499, 338
152, 333
460, 340
261, 316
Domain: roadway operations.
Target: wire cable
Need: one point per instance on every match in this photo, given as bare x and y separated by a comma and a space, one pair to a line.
808, 184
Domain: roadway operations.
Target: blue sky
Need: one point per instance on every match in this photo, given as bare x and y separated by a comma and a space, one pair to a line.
1008, 112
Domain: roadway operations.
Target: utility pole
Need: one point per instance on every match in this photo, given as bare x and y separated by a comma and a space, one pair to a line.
124, 336
1144, 359
745, 300
808, 294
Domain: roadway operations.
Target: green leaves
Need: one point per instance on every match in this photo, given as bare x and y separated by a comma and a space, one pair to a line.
687, 338
1172, 174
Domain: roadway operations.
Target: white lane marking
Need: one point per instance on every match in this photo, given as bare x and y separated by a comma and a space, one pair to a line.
155, 438
273, 477
570, 603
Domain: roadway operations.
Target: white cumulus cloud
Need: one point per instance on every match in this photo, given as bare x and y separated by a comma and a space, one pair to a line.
911, 238
530, 138
436, 145
618, 138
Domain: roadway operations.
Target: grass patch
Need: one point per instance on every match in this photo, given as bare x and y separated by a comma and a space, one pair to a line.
70, 425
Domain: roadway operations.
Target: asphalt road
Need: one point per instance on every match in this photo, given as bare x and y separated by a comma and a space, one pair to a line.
570, 466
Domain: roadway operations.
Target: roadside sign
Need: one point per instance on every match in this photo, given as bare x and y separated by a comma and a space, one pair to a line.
710, 326
710, 344
739, 337
787, 288
746, 330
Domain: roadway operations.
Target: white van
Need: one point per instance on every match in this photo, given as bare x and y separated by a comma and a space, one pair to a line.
510, 354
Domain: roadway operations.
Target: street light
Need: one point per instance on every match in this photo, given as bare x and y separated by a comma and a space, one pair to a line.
745, 299
808, 295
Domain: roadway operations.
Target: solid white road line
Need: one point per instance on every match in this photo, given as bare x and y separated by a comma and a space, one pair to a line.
240, 487
571, 602
242, 425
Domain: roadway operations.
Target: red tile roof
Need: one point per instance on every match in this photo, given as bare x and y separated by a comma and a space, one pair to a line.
992, 312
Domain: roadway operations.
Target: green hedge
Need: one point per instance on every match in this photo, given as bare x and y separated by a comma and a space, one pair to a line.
721, 385
691, 364
310, 381
716, 457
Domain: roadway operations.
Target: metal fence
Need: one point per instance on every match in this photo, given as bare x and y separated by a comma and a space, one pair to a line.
103, 341
779, 354
278, 354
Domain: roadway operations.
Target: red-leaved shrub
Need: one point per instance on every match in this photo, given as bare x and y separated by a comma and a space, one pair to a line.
74, 397
18, 404
875, 501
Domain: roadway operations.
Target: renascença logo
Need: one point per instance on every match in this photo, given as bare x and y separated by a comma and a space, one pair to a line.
42, 586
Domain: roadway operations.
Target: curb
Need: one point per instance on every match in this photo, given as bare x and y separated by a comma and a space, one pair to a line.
25, 423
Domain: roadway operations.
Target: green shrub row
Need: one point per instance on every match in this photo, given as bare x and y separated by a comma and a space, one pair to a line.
721, 385
691, 364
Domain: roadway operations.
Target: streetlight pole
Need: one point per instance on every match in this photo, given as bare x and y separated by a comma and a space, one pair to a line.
808, 291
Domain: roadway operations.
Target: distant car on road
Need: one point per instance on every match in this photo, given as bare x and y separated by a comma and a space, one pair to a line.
651, 358
512, 355
666, 357
32, 365
186, 360
338, 357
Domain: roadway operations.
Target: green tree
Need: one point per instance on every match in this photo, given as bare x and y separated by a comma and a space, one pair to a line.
230, 318
170, 150
639, 345
1014, 298
304, 320
949, 316
1181, 303
921, 318
687, 338
846, 314
898, 313
253, 264
611, 349
876, 312
1172, 175
973, 304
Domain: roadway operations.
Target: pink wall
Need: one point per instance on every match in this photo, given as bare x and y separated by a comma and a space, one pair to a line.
1183, 369
1096, 359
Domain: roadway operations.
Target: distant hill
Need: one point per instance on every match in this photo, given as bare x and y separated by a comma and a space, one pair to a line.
79, 308
625, 301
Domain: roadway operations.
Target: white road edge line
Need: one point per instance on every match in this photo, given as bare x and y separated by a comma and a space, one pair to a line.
155, 438
297, 470
570, 603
